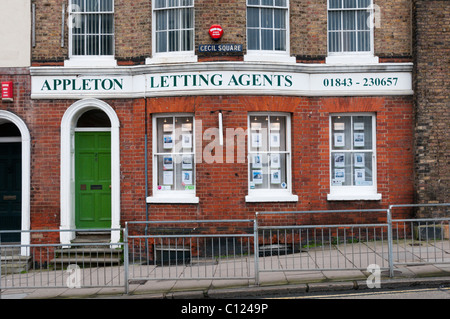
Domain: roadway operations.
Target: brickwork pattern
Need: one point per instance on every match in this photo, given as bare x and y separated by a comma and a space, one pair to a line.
308, 30
432, 87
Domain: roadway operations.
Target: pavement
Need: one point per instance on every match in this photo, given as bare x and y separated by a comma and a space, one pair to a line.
271, 284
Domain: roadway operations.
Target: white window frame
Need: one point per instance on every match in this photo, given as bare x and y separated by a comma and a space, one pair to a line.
271, 195
88, 60
354, 57
175, 56
273, 56
354, 192
172, 196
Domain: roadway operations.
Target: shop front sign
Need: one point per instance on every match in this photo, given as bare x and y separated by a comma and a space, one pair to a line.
143, 84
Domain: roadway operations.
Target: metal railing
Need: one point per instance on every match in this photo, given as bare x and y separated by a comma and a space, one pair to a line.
229, 249
419, 240
186, 250
322, 247
50, 265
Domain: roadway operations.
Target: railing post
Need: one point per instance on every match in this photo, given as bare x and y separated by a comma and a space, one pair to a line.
256, 247
126, 257
390, 242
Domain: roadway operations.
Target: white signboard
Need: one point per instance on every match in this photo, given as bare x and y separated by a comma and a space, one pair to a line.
220, 82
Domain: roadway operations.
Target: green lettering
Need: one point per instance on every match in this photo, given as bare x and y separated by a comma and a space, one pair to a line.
246, 83
86, 86
267, 79
288, 81
152, 84
213, 82
204, 79
118, 83
46, 86
233, 79
56, 83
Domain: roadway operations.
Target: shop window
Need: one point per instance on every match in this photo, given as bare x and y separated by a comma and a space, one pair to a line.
173, 159
269, 157
350, 29
267, 29
353, 157
173, 28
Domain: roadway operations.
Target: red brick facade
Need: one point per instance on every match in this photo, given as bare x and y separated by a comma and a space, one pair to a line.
221, 188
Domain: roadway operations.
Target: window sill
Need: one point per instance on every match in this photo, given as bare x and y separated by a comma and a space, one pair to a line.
270, 198
172, 200
356, 59
185, 57
91, 62
350, 197
261, 56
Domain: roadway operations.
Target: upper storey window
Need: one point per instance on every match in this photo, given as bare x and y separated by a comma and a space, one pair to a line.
267, 29
350, 30
174, 25
267, 25
92, 28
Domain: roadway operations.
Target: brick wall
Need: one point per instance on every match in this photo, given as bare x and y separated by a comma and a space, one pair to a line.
221, 187
432, 84
308, 29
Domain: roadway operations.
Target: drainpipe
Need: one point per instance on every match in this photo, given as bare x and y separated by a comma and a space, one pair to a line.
146, 175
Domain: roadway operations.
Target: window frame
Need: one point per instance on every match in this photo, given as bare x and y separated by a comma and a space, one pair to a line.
88, 59
351, 57
271, 194
172, 56
172, 196
353, 192
269, 55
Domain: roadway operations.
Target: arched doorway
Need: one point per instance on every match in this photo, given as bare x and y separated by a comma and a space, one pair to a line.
14, 178
90, 169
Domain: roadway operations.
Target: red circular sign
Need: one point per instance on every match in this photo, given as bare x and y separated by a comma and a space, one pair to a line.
216, 32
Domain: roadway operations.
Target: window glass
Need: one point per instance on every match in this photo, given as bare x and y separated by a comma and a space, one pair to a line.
267, 25
348, 26
352, 151
174, 25
92, 27
174, 156
269, 154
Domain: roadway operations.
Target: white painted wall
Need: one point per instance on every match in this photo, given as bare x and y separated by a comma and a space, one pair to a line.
15, 33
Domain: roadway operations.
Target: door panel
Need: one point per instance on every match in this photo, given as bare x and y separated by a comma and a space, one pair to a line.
93, 179
10, 190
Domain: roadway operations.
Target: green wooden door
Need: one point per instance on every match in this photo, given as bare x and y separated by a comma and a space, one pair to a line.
10, 190
92, 180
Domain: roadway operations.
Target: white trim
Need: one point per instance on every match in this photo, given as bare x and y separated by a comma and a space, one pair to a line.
355, 196
267, 194
137, 81
68, 125
272, 56
26, 175
90, 61
352, 58
176, 56
264, 56
171, 196
352, 192
172, 199
271, 198
345, 59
